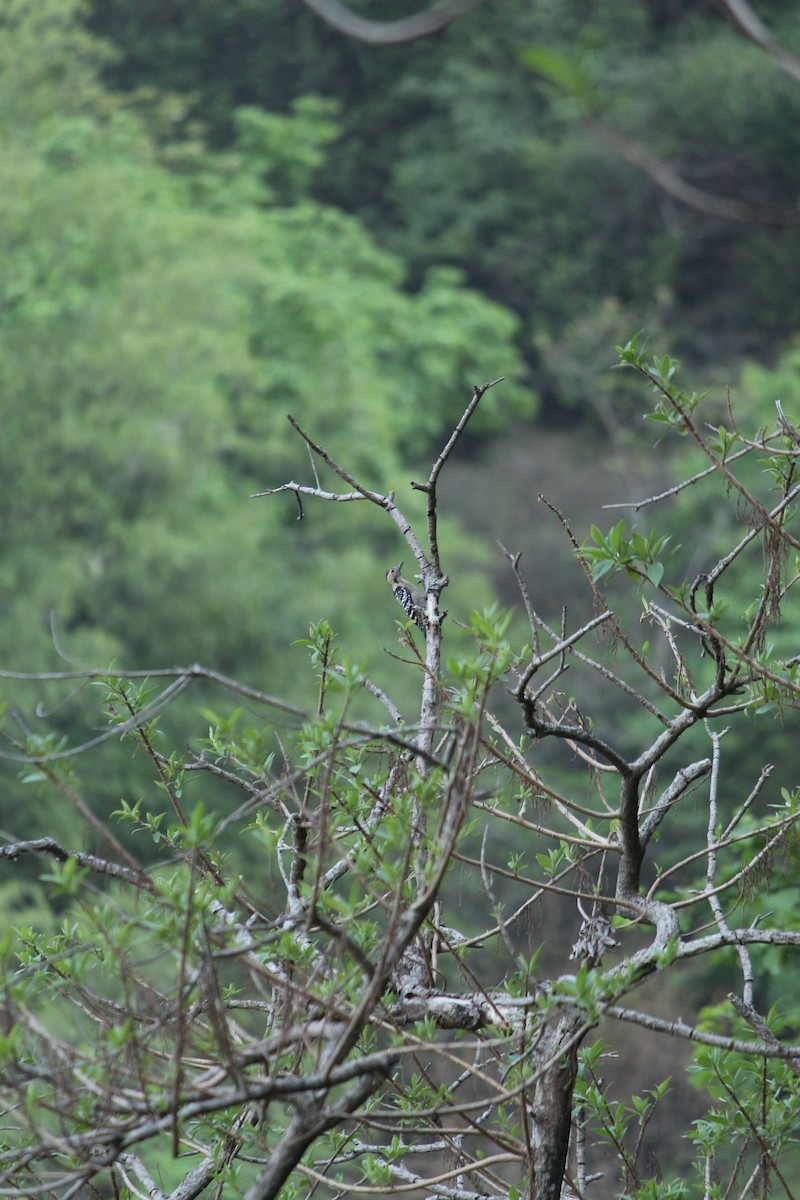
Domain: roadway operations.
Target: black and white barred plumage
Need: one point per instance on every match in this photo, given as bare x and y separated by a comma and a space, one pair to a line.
409, 597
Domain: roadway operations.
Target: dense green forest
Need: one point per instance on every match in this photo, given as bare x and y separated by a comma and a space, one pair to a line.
264, 216
158, 324
457, 149
212, 216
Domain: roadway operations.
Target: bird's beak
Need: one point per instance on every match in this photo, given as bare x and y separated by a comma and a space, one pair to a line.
399, 566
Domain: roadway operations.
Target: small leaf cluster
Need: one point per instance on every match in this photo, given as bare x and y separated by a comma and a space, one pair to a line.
622, 550
674, 408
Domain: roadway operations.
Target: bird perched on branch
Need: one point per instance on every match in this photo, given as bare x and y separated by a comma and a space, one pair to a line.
409, 597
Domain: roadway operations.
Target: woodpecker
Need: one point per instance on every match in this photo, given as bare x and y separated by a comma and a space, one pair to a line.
410, 598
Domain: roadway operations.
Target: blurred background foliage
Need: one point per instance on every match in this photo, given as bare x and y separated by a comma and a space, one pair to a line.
453, 149
157, 325
215, 214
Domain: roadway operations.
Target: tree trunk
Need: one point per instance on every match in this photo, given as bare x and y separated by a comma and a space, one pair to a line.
551, 1107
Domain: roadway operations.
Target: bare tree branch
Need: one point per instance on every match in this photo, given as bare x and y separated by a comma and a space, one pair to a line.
758, 32
722, 208
391, 33
90, 862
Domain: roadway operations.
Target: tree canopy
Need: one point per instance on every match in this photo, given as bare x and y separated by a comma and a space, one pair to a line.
158, 324
529, 144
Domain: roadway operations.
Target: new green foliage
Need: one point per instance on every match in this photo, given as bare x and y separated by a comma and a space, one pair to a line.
320, 929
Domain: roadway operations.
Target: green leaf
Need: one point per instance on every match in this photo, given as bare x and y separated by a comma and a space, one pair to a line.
655, 573
567, 72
